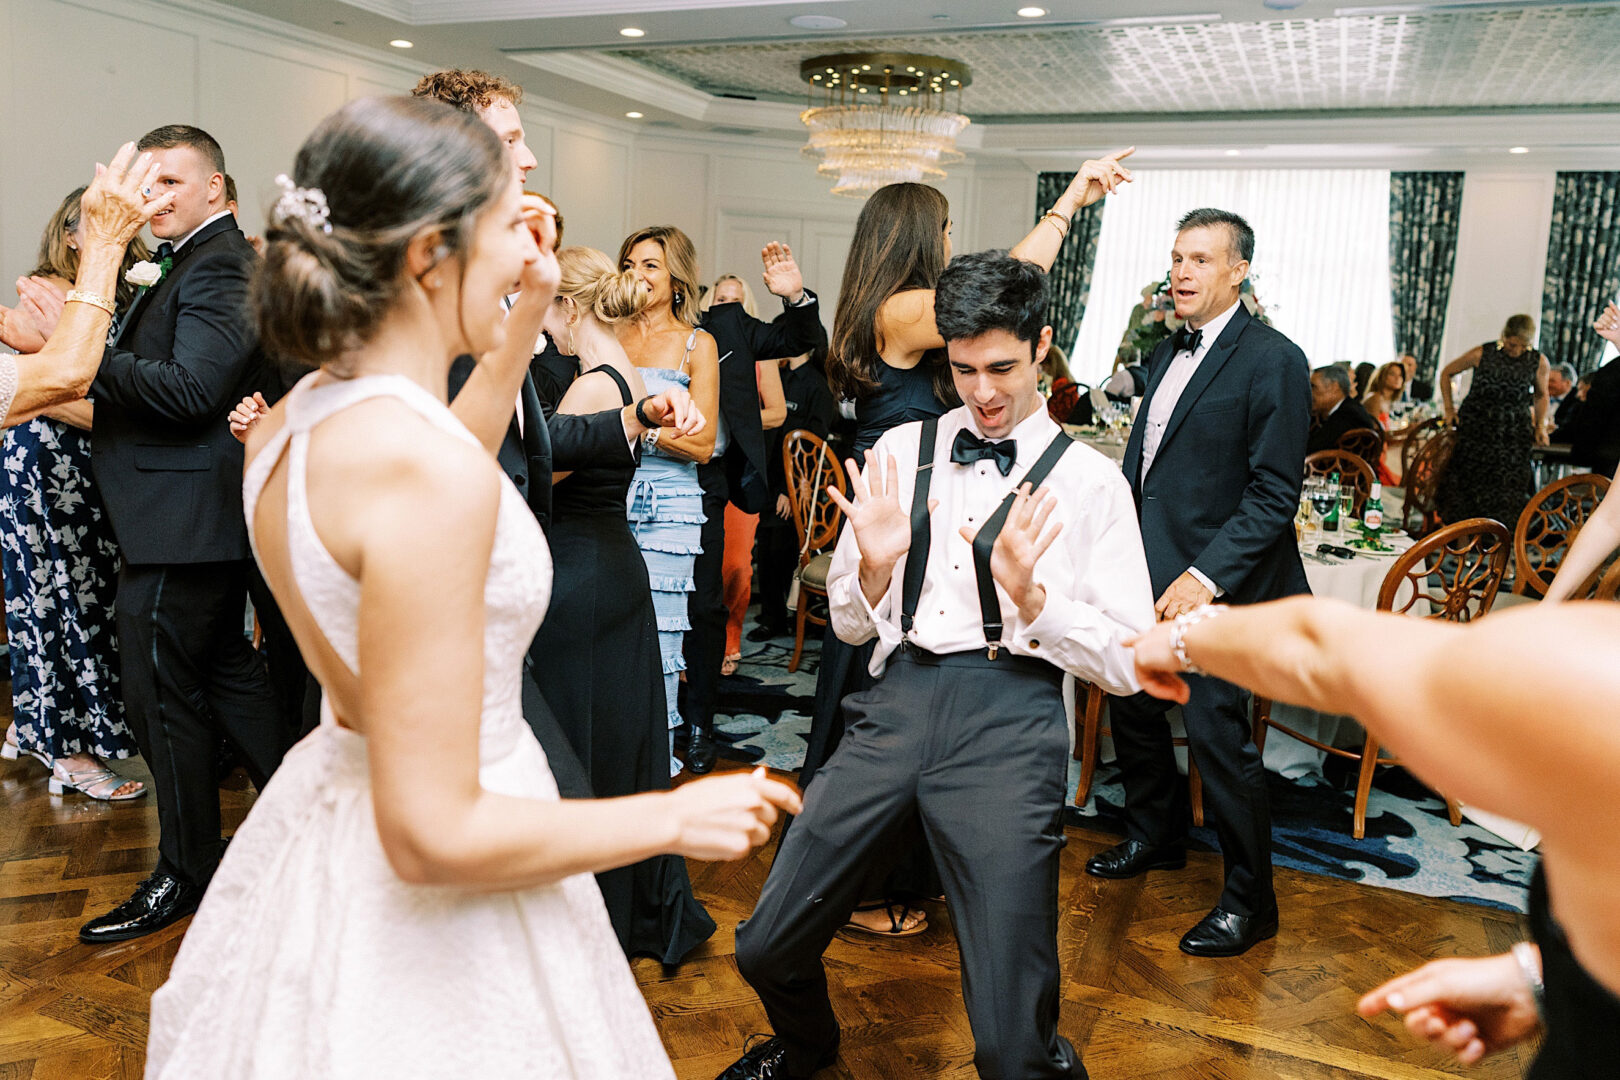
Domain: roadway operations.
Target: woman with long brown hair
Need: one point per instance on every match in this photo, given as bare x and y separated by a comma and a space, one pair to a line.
887, 355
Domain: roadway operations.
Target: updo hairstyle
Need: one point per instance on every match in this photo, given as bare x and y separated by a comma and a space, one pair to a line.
590, 280
390, 168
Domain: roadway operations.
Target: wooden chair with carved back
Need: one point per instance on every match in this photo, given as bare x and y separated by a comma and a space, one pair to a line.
1545, 530
811, 467
1452, 574
1088, 733
1420, 513
1366, 443
1351, 470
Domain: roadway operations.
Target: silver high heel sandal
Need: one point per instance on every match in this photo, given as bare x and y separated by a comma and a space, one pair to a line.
98, 783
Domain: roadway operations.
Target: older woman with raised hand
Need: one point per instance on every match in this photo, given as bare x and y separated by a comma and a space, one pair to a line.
1502, 417
115, 207
1463, 704
59, 559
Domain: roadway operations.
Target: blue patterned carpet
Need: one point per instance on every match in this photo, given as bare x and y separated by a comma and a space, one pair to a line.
1410, 843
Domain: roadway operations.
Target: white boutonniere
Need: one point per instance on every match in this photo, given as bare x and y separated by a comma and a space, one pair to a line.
144, 274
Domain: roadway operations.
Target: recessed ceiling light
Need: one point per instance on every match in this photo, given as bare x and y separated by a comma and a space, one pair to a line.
1518, 149
818, 22
401, 43
632, 31
1234, 153
1031, 12
633, 115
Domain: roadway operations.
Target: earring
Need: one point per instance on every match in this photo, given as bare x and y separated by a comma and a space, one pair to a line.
676, 298
572, 348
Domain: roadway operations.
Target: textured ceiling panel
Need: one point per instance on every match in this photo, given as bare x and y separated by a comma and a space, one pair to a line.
1532, 57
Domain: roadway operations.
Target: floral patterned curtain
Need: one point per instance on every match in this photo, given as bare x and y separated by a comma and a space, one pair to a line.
1069, 283
1583, 266
1423, 212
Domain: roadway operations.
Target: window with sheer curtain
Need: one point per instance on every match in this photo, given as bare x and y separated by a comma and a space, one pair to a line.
1321, 256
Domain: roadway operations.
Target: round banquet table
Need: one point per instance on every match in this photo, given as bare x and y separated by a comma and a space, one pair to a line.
1356, 581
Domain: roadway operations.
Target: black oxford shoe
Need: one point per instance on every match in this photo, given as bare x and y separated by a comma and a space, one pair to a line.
157, 902
1134, 857
768, 1061
1221, 933
700, 752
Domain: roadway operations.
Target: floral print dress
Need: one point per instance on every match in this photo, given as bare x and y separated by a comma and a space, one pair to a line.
60, 565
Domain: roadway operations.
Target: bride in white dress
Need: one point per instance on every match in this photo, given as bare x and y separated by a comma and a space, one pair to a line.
409, 897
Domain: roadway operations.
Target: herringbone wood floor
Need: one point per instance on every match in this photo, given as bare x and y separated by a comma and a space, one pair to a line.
1135, 1005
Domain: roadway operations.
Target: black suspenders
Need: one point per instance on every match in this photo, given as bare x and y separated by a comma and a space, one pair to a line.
983, 543
921, 535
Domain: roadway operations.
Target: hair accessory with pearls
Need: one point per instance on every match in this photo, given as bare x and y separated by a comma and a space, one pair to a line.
306, 204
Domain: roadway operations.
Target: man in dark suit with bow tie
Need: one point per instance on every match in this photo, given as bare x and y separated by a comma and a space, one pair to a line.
171, 475
1214, 460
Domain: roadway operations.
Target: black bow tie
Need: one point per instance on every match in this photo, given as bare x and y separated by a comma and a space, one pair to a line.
969, 448
165, 251
1186, 339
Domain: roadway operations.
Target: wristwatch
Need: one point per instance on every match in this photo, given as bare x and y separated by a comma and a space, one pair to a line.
650, 440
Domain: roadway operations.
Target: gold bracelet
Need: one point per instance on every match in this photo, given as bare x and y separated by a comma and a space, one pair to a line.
1059, 222
85, 296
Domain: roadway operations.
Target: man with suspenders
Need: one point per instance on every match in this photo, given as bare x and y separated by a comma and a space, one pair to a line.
989, 554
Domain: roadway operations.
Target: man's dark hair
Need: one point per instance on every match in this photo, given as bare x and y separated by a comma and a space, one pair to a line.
990, 290
230, 188
1237, 230
1336, 375
468, 90
170, 136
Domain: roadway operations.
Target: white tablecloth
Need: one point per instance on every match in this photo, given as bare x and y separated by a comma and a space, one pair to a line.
1357, 582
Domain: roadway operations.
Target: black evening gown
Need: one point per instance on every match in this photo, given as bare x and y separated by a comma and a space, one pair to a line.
1489, 474
603, 678
902, 397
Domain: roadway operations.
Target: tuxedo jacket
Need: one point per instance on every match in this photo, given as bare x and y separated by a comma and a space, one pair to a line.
162, 453
1594, 433
564, 442
1349, 416
741, 342
1566, 410
1224, 487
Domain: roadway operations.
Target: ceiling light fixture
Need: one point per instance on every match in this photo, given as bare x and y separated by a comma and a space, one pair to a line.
401, 43
818, 22
865, 145
632, 31
1234, 153
633, 115
1518, 149
1031, 12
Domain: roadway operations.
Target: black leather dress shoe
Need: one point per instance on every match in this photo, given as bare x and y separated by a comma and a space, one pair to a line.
700, 752
768, 1061
1134, 857
768, 631
1221, 933
157, 902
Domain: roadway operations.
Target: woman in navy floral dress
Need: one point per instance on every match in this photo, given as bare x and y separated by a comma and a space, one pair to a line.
60, 566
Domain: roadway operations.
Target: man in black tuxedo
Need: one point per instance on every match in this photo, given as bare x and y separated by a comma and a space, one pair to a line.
1594, 433
1214, 460
171, 475
1562, 401
535, 445
1334, 409
736, 473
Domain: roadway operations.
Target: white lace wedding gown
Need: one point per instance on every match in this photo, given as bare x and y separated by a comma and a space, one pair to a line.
310, 958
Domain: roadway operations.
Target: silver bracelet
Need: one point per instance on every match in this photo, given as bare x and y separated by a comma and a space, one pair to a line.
1178, 634
1530, 967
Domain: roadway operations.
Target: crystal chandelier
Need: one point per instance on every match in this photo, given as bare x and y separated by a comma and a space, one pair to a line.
881, 118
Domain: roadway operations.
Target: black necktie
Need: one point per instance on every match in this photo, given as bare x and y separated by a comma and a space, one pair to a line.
969, 448
1186, 339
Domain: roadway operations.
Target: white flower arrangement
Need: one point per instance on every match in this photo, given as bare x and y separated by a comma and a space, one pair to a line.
144, 274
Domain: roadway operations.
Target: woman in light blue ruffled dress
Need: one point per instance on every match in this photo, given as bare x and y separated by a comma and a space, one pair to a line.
665, 503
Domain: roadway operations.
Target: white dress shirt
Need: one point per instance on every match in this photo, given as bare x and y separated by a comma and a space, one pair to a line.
186, 239
1183, 366
1098, 594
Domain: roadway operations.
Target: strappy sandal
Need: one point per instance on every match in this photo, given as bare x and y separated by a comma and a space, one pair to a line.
11, 750
897, 913
728, 666
98, 783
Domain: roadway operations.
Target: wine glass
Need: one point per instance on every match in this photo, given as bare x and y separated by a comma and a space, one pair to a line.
1347, 504
1323, 499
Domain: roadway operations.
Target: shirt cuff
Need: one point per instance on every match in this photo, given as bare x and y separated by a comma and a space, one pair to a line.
1203, 579
804, 300
1048, 628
